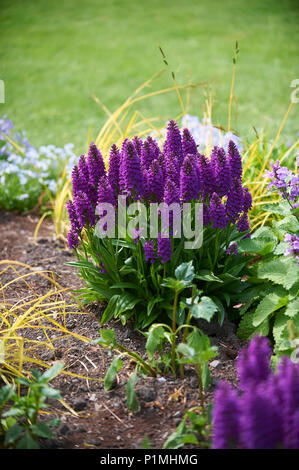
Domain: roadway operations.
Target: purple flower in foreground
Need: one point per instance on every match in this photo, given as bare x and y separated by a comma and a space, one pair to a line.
225, 417
155, 183
207, 182
280, 178
247, 200
253, 363
149, 252
164, 248
265, 415
293, 249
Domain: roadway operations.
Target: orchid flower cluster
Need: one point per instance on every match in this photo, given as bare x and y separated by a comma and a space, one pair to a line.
145, 174
264, 413
176, 174
24, 175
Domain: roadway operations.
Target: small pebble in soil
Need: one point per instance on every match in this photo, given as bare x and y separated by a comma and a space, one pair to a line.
215, 364
194, 382
146, 393
79, 404
64, 429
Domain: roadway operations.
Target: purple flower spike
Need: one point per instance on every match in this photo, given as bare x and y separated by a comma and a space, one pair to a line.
189, 184
247, 200
254, 363
105, 192
234, 160
75, 226
84, 210
171, 192
225, 417
243, 224
113, 172
149, 252
72, 239
188, 143
79, 183
155, 183
221, 170
95, 164
132, 175
218, 212
173, 144
138, 143
260, 421
235, 201
207, 182
164, 248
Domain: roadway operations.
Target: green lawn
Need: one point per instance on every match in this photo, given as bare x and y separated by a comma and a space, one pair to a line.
55, 54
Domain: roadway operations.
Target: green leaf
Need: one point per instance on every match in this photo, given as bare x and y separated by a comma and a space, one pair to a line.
246, 330
110, 309
155, 338
152, 303
205, 275
258, 246
53, 371
12, 434
6, 393
283, 271
132, 402
292, 308
27, 442
185, 272
281, 208
267, 306
205, 309
115, 367
126, 302
41, 430
51, 392
108, 336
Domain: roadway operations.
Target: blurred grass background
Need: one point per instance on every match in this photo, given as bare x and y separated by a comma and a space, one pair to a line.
55, 54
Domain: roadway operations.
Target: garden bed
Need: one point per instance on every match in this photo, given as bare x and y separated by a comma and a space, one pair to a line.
100, 419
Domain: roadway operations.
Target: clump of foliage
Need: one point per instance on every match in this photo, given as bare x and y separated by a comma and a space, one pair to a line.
20, 426
128, 270
265, 412
194, 349
26, 172
272, 308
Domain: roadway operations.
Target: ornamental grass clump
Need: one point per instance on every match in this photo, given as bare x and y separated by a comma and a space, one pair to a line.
124, 253
264, 413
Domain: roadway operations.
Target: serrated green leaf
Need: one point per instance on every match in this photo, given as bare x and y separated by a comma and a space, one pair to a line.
205, 309
27, 442
246, 329
42, 430
283, 271
267, 306
12, 434
292, 308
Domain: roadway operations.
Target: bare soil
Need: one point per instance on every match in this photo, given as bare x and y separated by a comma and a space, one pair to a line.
100, 419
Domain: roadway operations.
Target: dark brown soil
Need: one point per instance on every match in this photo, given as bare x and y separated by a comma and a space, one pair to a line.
100, 419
